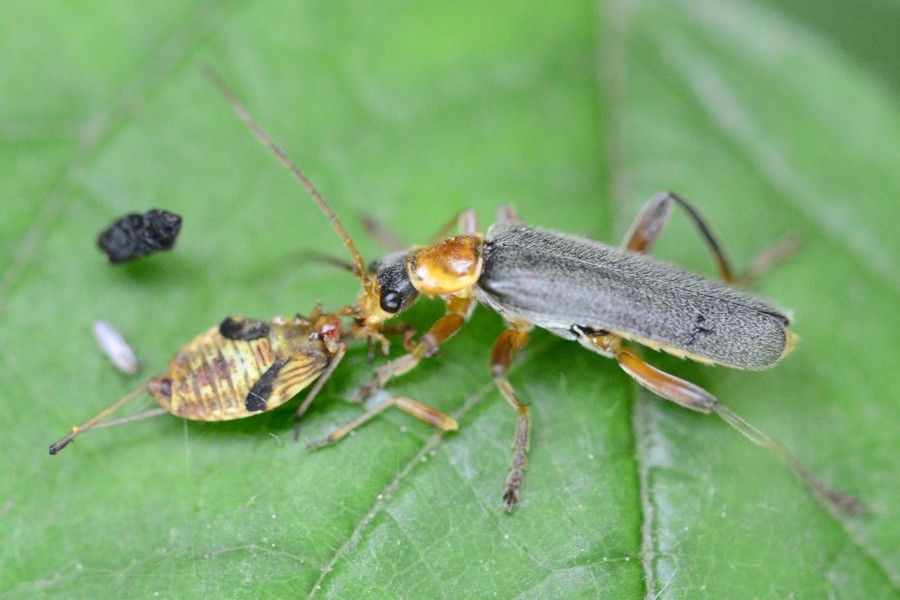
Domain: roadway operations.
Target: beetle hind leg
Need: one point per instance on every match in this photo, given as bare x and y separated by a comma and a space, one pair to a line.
649, 225
696, 398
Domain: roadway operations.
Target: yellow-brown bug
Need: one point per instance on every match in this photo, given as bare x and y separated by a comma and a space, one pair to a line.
578, 289
245, 366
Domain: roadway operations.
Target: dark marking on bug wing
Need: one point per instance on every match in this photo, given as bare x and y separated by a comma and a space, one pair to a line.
261, 391
556, 281
161, 389
243, 329
136, 235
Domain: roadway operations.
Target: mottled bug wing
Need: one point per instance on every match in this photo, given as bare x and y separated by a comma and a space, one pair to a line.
557, 281
286, 378
258, 366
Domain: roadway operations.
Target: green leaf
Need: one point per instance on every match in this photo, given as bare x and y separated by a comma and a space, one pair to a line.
411, 111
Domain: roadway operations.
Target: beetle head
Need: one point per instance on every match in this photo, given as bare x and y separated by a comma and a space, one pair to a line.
387, 290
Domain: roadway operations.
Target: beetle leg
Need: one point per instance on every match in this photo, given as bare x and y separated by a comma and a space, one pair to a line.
667, 386
423, 412
506, 346
506, 213
659, 382
458, 311
467, 222
647, 228
696, 398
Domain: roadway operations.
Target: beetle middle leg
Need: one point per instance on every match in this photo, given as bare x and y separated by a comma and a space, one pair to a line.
511, 341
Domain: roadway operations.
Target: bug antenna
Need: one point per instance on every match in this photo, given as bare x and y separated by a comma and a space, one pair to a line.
260, 134
93, 421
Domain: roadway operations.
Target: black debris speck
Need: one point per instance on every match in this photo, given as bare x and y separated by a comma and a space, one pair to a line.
136, 235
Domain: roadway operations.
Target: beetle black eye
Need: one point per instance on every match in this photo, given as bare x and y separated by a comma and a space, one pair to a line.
391, 301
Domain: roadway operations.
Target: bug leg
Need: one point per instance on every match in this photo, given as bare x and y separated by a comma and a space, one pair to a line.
96, 419
308, 400
423, 412
506, 346
458, 310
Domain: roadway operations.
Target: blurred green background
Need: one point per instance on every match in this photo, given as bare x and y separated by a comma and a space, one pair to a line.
774, 118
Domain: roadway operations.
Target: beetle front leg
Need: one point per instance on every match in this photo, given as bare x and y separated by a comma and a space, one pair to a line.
506, 346
458, 311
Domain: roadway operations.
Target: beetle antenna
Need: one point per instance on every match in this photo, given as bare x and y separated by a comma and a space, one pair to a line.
93, 421
259, 133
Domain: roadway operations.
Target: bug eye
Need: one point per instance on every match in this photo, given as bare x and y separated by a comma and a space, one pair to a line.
391, 301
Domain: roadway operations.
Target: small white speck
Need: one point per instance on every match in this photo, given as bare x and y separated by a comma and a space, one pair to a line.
273, 515
590, 457
115, 347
